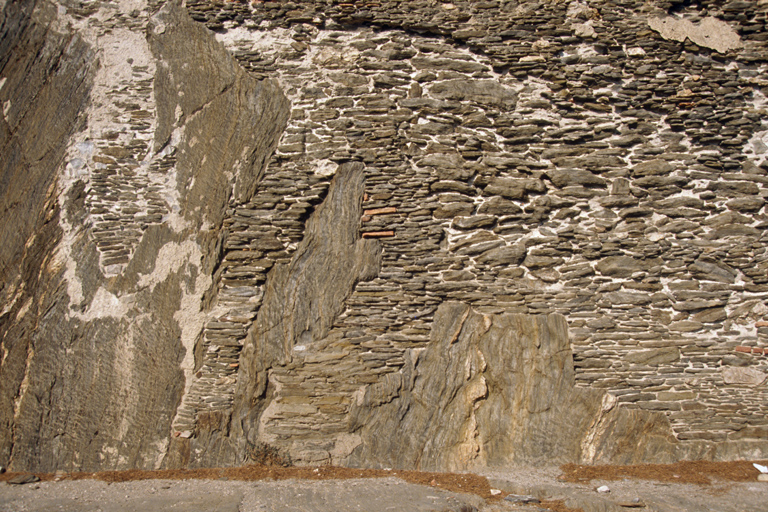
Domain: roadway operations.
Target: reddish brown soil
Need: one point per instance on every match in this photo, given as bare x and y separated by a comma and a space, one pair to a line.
557, 506
691, 472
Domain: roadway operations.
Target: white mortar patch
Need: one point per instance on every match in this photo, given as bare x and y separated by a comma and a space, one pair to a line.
170, 259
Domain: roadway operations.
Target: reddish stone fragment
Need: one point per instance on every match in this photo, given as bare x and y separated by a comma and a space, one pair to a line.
378, 234
380, 211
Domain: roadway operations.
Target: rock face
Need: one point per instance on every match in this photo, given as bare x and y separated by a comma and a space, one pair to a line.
434, 235
493, 390
32, 143
126, 210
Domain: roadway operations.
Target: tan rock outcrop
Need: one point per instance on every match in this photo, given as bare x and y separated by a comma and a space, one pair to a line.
495, 390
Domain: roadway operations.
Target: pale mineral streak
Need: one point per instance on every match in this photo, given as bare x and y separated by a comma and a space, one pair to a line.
709, 32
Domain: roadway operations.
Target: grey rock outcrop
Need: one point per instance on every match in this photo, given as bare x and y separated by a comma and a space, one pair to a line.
128, 227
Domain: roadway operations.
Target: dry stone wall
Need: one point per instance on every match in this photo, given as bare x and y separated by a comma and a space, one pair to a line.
538, 157
392, 233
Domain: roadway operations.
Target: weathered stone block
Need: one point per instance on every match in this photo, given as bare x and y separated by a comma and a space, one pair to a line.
653, 356
499, 207
503, 256
710, 32
652, 167
624, 266
487, 92
451, 210
686, 326
743, 376
569, 177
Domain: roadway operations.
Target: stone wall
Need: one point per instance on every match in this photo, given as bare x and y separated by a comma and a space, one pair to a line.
540, 214
539, 157
126, 156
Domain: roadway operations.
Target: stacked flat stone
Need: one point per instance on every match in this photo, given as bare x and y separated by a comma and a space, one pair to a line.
122, 199
529, 157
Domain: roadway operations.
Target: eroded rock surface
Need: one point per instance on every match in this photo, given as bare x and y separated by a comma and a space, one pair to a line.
105, 338
493, 390
709, 32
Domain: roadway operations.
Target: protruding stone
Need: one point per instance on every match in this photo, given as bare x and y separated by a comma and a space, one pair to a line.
751, 377
486, 92
503, 256
654, 357
709, 32
624, 266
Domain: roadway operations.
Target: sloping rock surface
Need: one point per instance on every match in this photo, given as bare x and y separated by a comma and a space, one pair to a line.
99, 338
495, 390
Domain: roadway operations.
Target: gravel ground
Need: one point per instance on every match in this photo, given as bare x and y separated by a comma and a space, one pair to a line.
342, 490
631, 493
354, 495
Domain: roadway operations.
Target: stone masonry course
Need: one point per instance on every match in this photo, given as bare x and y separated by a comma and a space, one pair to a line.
530, 164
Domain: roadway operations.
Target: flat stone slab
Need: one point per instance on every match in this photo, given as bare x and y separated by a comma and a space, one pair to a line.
370, 495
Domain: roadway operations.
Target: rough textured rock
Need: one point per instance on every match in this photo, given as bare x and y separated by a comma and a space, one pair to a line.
709, 32
225, 303
103, 343
32, 142
491, 390
602, 188
304, 297
744, 376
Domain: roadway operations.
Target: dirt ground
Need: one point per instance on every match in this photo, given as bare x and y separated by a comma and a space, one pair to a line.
457, 482
688, 472
700, 473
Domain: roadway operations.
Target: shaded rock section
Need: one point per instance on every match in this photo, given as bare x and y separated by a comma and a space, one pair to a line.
40, 112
